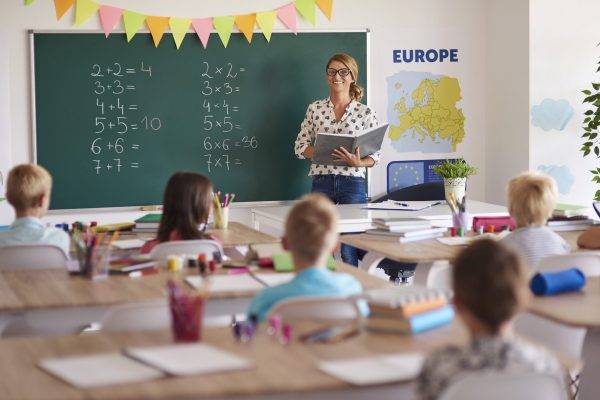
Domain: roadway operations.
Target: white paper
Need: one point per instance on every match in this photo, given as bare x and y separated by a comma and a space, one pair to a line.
225, 283
402, 205
129, 244
276, 278
99, 370
375, 370
465, 240
188, 359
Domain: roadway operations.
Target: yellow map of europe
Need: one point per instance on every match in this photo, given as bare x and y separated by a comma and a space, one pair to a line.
423, 112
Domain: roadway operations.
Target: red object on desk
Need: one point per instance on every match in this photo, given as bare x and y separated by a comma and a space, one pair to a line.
265, 262
497, 222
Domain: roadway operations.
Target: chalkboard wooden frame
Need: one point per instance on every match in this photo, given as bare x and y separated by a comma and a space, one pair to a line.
247, 204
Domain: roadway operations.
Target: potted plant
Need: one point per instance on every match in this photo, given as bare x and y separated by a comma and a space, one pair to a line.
455, 174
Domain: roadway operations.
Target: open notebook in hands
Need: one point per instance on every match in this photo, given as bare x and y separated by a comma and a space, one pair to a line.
369, 141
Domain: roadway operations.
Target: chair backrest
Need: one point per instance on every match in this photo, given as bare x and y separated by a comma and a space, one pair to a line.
502, 386
185, 247
137, 317
420, 192
32, 256
317, 308
587, 262
435, 275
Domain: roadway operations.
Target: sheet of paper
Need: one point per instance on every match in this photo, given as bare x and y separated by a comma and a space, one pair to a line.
402, 205
465, 240
276, 278
375, 370
129, 244
226, 283
188, 359
99, 370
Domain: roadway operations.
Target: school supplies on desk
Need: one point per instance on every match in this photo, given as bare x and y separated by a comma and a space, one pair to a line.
578, 223
186, 314
117, 226
570, 210
221, 209
550, 283
127, 265
369, 141
402, 205
129, 244
499, 223
148, 222
93, 253
401, 224
416, 323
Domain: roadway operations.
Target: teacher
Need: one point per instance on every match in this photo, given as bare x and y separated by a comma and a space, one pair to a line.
340, 113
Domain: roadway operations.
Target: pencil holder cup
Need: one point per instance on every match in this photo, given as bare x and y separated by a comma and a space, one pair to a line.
186, 316
461, 220
221, 216
93, 264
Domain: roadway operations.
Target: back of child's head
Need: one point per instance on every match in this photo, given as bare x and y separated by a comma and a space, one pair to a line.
490, 282
531, 198
186, 204
311, 227
25, 185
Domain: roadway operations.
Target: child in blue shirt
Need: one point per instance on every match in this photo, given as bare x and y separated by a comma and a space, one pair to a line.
310, 236
28, 190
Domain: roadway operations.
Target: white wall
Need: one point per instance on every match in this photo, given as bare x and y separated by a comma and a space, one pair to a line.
394, 24
563, 57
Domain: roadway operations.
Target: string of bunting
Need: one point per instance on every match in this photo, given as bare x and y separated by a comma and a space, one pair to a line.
157, 25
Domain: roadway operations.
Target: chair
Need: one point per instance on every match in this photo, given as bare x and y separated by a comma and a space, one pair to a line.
317, 308
435, 275
587, 262
502, 386
192, 247
32, 256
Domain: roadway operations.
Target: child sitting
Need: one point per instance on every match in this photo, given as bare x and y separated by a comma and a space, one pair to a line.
310, 236
28, 190
187, 203
490, 288
531, 200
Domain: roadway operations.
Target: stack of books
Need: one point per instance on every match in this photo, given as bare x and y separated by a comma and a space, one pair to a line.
147, 223
568, 217
570, 210
412, 309
404, 230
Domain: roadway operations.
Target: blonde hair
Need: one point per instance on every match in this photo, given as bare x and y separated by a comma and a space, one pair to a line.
490, 281
531, 198
25, 184
356, 91
311, 227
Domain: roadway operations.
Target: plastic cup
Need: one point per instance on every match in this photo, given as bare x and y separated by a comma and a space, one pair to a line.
222, 218
186, 318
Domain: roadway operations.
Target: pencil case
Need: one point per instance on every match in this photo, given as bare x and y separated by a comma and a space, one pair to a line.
549, 283
498, 222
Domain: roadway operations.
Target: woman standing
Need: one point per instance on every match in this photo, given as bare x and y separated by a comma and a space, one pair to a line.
340, 113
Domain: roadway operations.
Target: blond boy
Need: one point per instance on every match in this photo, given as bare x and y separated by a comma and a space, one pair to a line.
28, 190
490, 288
531, 200
310, 236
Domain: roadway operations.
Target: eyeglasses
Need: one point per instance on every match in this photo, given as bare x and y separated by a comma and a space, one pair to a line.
342, 71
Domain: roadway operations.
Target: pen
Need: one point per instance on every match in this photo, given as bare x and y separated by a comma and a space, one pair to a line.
401, 204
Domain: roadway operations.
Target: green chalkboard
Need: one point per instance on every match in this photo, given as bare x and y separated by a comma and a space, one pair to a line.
113, 120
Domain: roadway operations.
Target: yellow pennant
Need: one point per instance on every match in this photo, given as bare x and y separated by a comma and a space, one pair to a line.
179, 27
266, 22
84, 10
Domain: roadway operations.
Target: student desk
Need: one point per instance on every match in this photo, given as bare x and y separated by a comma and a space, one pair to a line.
287, 372
353, 218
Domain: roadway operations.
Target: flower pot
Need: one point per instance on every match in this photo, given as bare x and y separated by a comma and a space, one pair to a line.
455, 186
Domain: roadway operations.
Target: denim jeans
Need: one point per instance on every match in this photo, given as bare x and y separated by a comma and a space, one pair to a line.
343, 190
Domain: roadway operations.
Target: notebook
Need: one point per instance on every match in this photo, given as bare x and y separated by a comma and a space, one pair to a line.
188, 359
99, 370
375, 370
368, 140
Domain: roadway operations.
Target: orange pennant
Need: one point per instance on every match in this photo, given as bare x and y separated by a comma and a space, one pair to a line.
157, 27
62, 6
326, 6
245, 24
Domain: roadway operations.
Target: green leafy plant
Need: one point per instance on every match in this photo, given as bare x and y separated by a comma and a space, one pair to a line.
452, 169
590, 127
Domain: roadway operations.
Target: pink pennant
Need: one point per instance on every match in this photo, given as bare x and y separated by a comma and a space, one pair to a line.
203, 27
287, 15
109, 16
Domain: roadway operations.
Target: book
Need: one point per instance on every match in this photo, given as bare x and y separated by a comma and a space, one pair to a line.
406, 233
570, 210
404, 239
402, 205
148, 221
369, 141
414, 324
401, 222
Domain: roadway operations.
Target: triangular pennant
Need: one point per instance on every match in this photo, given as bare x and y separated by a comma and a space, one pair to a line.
287, 15
109, 16
157, 27
326, 6
62, 6
84, 10
245, 24
132, 22
224, 25
266, 22
307, 9
203, 27
179, 27
28, 2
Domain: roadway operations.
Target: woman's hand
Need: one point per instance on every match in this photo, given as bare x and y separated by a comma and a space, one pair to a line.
352, 159
309, 152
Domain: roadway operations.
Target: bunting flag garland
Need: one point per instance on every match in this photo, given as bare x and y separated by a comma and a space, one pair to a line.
133, 21
266, 22
203, 28
84, 9
179, 27
245, 24
62, 6
157, 27
109, 17
224, 26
